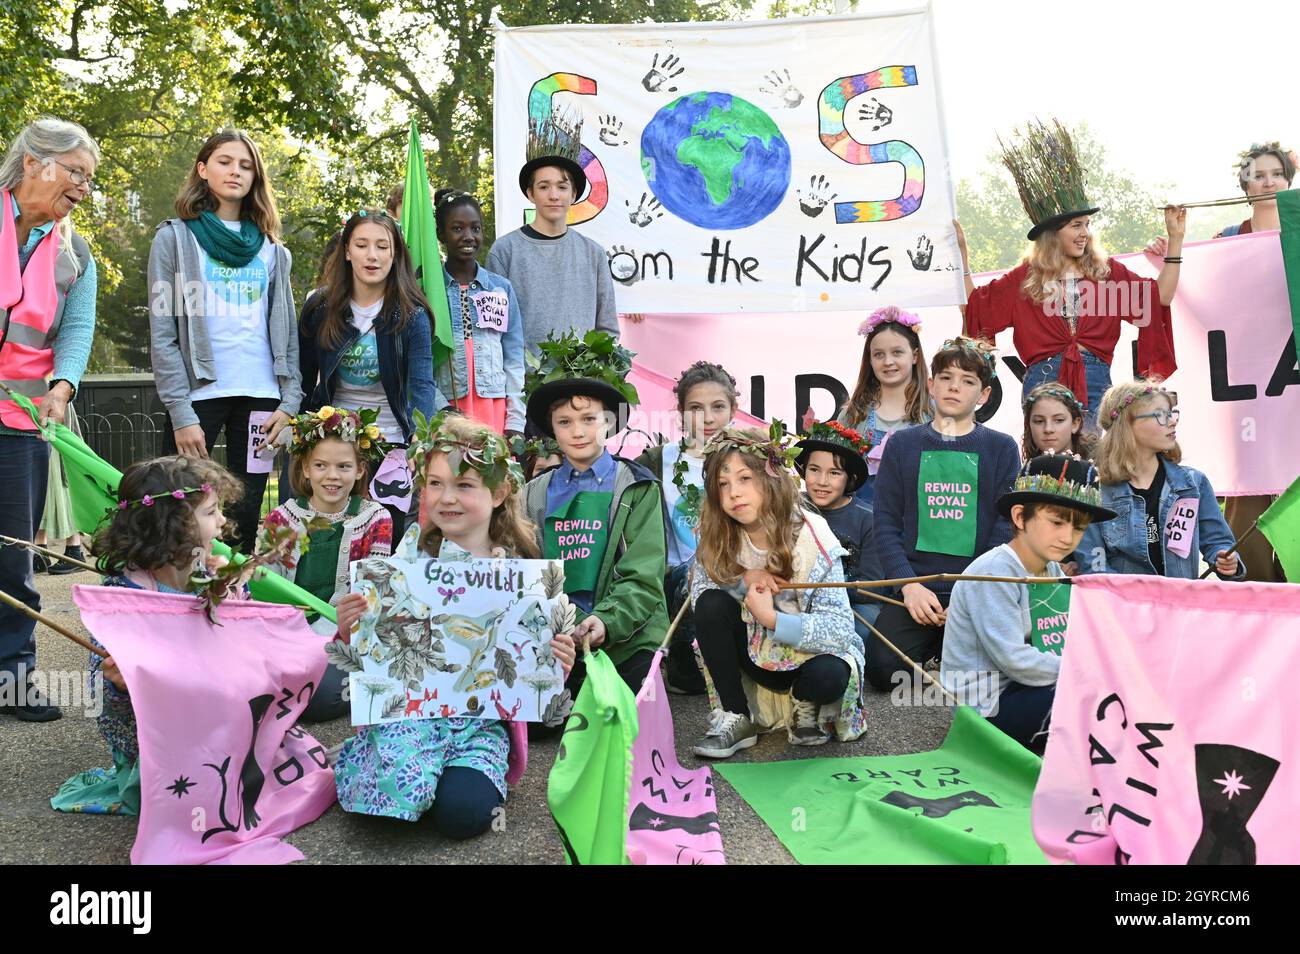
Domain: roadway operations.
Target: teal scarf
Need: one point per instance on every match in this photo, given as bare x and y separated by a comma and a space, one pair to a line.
235, 249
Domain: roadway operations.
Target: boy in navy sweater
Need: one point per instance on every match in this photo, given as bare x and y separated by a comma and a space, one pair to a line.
936, 505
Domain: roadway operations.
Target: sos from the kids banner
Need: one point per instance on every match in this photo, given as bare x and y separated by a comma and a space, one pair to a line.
787, 165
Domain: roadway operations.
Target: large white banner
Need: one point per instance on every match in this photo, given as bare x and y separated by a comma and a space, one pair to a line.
772, 166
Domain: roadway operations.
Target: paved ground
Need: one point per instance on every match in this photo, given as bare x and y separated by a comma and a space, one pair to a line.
36, 759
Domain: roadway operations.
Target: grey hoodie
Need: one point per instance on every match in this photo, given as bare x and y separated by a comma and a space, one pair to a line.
178, 333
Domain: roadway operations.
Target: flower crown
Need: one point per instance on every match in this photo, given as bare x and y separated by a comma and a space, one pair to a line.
1088, 493
351, 427
148, 500
889, 314
776, 451
972, 346
1257, 149
489, 454
1147, 391
833, 432
1057, 391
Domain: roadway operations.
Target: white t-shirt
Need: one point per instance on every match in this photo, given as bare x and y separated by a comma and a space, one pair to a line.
360, 384
235, 304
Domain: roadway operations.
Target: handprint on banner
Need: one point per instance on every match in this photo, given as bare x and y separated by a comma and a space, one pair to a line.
781, 88
816, 198
923, 255
622, 264
662, 72
611, 131
874, 112
647, 210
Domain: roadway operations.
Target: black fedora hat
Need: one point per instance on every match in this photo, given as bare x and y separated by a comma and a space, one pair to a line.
846, 444
545, 395
1065, 480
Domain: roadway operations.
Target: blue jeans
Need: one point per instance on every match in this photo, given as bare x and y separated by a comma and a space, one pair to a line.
24, 469
1096, 372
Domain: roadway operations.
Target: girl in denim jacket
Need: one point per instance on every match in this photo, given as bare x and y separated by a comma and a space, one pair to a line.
484, 378
1167, 516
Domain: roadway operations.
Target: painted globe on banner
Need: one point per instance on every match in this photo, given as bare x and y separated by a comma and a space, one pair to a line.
716, 160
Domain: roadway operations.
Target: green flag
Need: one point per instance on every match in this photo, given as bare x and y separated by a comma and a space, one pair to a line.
92, 487
1280, 523
966, 802
1288, 210
421, 236
587, 791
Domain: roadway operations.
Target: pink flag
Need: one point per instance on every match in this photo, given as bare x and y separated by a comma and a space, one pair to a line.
1173, 733
225, 771
672, 812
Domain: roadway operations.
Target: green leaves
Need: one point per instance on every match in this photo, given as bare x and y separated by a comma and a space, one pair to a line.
595, 355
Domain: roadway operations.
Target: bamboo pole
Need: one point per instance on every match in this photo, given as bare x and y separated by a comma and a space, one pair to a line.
907, 659
46, 621
28, 545
931, 578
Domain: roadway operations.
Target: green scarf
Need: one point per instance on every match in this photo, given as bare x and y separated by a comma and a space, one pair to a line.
235, 249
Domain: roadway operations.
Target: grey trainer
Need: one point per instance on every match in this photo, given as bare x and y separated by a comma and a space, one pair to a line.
728, 733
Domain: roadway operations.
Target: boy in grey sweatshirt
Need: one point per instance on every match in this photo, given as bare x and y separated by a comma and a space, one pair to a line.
562, 278
990, 658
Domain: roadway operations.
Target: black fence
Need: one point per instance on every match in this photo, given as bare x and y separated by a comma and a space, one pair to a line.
123, 421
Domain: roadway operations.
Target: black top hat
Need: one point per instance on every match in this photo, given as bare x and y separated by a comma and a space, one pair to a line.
545, 395
594, 366
1048, 175
1065, 480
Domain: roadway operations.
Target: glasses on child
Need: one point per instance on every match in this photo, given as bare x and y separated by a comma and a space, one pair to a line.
1163, 417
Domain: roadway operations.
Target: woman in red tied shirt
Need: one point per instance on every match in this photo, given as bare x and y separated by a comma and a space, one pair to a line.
1065, 301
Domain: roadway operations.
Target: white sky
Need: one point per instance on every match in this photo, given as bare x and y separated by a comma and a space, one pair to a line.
1174, 90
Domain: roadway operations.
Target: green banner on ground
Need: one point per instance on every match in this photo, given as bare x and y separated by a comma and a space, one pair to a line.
587, 791
966, 802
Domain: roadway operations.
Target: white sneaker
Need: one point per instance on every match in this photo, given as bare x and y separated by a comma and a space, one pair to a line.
728, 733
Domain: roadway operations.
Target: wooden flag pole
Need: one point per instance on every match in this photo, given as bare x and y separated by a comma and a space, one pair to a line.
28, 545
46, 621
931, 578
903, 656
878, 596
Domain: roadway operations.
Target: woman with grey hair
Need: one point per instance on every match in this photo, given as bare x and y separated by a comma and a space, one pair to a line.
47, 323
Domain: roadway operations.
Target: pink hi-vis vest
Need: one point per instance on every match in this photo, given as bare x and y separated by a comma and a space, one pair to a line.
32, 299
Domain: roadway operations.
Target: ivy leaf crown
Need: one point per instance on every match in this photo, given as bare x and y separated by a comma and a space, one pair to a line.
775, 450
595, 355
488, 452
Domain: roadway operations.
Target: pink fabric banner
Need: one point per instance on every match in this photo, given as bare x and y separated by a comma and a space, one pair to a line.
672, 811
1232, 337
225, 770
1173, 733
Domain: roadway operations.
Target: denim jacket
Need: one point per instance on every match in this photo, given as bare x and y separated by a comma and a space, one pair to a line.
405, 363
1120, 545
498, 356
